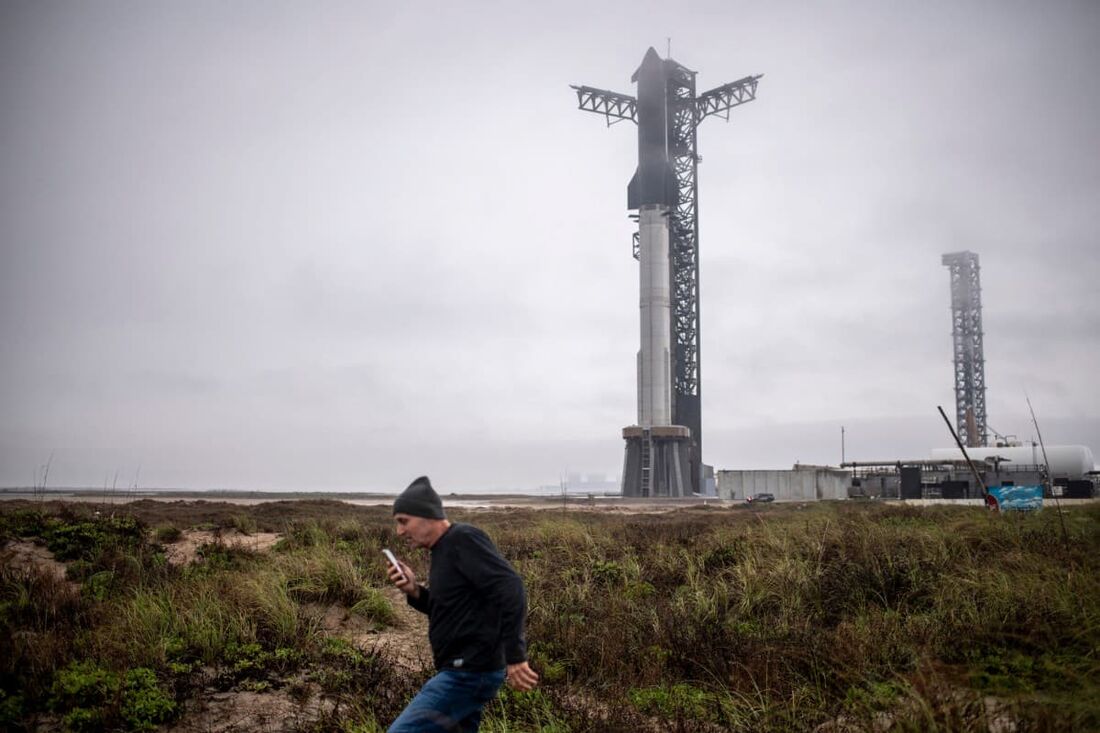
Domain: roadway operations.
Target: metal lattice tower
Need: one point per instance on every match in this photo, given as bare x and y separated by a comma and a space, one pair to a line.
685, 111
966, 337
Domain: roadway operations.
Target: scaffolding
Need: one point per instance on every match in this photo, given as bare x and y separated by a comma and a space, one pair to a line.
966, 338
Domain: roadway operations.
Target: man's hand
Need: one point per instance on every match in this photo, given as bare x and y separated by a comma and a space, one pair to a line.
521, 677
407, 585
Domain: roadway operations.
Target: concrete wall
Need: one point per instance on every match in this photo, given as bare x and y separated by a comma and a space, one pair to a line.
803, 483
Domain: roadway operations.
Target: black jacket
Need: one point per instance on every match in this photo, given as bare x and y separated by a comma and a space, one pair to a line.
475, 603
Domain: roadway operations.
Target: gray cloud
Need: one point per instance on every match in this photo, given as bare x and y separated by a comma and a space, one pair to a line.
279, 246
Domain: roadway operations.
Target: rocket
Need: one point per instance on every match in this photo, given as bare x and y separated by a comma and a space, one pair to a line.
654, 181
653, 192
664, 448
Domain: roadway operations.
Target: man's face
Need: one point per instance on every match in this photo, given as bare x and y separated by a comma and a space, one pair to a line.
416, 531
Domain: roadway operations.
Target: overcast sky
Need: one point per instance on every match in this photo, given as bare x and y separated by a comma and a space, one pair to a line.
334, 245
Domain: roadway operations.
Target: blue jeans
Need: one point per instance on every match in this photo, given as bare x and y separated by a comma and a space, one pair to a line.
449, 702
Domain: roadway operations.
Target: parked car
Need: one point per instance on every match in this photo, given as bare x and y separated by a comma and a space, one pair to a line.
760, 498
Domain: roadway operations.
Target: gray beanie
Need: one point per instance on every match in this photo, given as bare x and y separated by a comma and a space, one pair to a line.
419, 500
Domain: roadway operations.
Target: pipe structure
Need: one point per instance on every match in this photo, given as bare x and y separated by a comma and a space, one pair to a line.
897, 462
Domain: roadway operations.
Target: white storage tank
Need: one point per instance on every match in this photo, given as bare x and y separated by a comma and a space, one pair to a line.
1070, 461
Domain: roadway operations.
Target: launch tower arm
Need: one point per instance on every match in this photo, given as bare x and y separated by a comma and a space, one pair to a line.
721, 100
613, 106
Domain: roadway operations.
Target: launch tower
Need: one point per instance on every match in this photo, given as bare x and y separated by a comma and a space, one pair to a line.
966, 336
664, 450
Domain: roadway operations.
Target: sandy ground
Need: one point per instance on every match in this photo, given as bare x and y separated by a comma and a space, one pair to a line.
27, 556
406, 643
236, 712
184, 550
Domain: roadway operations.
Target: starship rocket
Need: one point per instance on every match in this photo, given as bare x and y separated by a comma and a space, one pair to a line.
663, 448
653, 192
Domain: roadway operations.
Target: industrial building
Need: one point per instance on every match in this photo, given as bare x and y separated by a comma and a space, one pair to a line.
934, 479
938, 479
802, 483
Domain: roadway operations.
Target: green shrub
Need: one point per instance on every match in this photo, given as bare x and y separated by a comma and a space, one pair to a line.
194, 619
144, 703
246, 659
11, 710
350, 531
674, 702
36, 600
335, 649
608, 573
375, 607
86, 694
721, 557
264, 596
369, 725
527, 711
550, 671
84, 539
215, 557
99, 586
306, 534
243, 523
22, 523
83, 684
322, 574
167, 534
872, 696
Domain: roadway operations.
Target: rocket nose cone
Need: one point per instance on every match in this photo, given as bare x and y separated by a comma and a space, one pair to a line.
650, 60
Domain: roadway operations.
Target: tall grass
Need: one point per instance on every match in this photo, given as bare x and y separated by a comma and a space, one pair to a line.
787, 618
807, 617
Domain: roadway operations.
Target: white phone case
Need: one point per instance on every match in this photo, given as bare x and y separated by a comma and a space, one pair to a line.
393, 561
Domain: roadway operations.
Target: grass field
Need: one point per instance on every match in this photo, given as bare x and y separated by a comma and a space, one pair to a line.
830, 617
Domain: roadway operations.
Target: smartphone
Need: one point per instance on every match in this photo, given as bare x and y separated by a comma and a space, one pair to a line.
393, 561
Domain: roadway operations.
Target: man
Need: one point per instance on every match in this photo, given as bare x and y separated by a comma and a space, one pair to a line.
476, 606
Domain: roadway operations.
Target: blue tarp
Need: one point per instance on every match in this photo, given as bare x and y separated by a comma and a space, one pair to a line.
1017, 498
